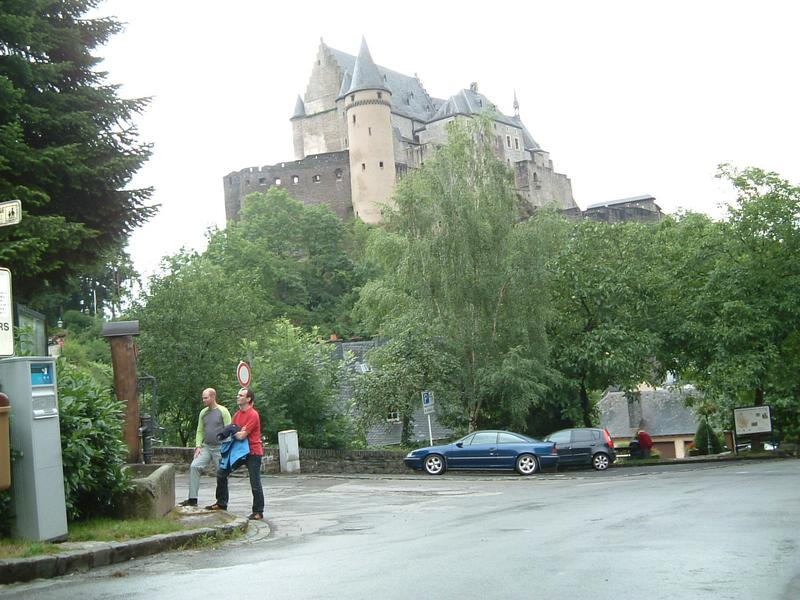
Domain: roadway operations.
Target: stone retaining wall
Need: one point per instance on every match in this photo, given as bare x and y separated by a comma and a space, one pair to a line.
311, 460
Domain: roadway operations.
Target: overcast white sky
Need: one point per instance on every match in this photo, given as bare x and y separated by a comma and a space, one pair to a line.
629, 97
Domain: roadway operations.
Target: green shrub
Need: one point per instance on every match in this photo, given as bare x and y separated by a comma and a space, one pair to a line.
92, 449
701, 439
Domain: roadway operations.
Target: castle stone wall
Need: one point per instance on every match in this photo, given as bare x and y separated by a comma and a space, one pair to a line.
322, 133
316, 179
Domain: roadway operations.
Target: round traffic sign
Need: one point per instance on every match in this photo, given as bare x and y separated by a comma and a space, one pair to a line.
243, 374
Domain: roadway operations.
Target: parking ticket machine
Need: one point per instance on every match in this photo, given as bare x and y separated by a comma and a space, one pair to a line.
37, 501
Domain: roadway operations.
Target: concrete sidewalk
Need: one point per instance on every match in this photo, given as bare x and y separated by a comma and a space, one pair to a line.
82, 556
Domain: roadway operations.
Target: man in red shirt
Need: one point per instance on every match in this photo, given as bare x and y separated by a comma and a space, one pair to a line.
249, 422
645, 442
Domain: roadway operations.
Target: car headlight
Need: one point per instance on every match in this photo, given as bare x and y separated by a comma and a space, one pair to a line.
410, 454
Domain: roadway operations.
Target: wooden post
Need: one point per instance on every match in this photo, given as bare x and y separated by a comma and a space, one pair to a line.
123, 359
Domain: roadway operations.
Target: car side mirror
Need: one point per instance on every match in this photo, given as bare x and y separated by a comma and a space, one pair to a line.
460, 444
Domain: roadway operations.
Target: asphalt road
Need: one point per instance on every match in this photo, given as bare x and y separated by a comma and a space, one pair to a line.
683, 531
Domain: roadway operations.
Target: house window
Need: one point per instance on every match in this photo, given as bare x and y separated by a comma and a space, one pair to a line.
295, 179
393, 416
338, 174
315, 179
277, 181
508, 141
516, 143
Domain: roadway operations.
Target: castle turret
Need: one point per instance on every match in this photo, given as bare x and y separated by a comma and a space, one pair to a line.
370, 138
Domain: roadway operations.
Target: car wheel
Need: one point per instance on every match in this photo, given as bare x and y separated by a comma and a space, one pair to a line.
526, 464
434, 464
600, 461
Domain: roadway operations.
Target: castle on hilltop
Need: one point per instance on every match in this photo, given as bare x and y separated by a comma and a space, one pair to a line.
361, 126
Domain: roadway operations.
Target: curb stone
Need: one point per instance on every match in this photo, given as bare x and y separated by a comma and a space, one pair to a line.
101, 554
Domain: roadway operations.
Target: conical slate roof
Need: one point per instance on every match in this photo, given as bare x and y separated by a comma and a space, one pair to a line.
346, 81
299, 108
365, 74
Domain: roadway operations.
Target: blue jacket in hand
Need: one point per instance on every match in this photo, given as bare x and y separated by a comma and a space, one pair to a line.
233, 452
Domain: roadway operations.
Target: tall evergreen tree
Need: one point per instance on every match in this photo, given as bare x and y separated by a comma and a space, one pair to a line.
68, 147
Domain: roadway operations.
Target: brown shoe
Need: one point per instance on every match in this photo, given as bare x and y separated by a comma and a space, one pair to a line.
256, 516
216, 506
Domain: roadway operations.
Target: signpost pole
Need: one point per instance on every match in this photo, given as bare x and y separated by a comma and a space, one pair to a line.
430, 431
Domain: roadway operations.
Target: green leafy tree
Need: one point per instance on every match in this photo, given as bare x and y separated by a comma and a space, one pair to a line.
457, 258
738, 341
604, 299
297, 379
68, 147
410, 362
193, 322
298, 255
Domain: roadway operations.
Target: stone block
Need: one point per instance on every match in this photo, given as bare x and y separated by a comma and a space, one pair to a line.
153, 493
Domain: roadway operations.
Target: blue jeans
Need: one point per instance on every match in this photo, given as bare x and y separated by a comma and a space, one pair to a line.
253, 463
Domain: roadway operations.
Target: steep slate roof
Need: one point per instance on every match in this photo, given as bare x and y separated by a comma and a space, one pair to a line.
471, 102
644, 198
365, 74
389, 434
663, 413
409, 98
299, 108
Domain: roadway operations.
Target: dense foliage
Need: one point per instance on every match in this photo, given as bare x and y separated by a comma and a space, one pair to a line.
297, 381
458, 262
68, 147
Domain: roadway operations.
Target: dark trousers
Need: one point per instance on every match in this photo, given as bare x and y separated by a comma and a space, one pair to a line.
253, 463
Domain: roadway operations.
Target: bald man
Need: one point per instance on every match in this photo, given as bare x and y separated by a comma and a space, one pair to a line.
212, 420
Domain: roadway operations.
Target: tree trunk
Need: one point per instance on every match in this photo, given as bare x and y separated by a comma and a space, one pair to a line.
586, 407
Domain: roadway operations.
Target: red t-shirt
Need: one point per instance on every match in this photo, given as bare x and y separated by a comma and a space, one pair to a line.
645, 441
250, 421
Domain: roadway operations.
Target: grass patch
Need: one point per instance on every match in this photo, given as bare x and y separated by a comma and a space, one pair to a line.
22, 549
98, 530
112, 530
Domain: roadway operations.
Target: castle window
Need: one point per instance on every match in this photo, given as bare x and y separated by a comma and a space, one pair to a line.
380, 95
338, 174
369, 130
354, 119
295, 179
277, 181
315, 178
352, 97
508, 141
262, 180
516, 143
363, 166
381, 164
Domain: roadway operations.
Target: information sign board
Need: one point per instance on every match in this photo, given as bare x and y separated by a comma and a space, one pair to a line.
754, 419
6, 315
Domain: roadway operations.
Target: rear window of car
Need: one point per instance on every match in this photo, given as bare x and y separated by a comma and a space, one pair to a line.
582, 435
510, 438
486, 437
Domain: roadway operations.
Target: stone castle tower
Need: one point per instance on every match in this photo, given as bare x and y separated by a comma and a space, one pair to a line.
360, 126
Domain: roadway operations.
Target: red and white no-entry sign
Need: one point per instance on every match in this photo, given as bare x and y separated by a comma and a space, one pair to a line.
243, 374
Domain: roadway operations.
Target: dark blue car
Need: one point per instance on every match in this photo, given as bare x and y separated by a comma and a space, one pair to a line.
486, 450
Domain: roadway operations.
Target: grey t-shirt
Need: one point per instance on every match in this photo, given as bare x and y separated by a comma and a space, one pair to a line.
212, 425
